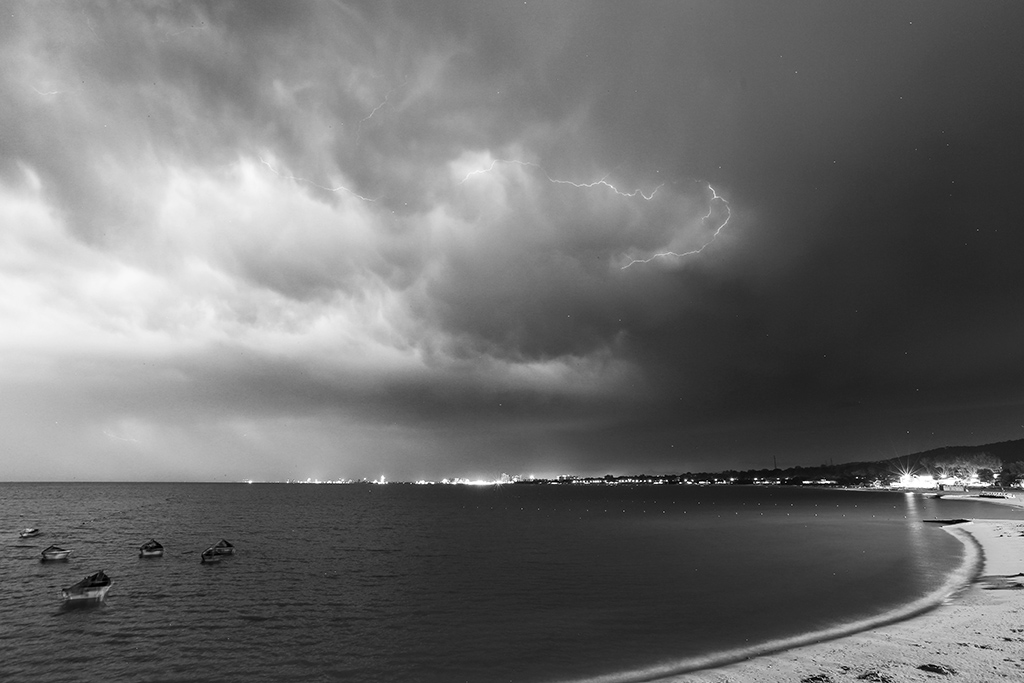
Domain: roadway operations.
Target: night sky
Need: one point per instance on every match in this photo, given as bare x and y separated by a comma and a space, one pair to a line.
428, 239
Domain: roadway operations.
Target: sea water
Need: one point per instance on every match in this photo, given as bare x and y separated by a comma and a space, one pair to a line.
524, 583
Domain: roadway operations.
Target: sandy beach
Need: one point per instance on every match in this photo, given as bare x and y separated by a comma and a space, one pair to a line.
977, 635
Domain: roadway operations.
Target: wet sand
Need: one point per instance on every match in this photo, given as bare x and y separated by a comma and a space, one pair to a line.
976, 636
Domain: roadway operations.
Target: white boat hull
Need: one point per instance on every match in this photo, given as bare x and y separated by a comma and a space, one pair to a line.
85, 595
53, 557
222, 547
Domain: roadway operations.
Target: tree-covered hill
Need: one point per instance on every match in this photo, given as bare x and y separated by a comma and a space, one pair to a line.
1001, 462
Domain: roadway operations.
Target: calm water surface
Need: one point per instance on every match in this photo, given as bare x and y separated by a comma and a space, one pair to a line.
413, 583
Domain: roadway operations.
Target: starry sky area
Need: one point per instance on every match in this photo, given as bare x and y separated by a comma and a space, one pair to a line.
277, 240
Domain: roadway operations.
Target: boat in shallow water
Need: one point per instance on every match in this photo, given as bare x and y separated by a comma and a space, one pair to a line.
92, 588
29, 533
224, 547
151, 548
55, 553
209, 555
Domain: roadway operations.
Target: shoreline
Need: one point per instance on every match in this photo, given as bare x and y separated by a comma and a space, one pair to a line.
974, 635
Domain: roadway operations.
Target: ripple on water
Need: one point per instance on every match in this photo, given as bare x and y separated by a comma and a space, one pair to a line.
442, 583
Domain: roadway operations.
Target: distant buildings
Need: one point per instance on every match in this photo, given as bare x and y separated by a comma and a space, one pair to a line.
856, 475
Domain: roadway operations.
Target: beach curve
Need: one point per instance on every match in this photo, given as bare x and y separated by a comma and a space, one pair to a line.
978, 637
680, 670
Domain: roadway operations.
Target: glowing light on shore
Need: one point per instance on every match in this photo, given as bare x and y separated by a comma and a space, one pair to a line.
917, 481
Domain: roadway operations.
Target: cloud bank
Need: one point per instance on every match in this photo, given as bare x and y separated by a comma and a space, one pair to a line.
273, 240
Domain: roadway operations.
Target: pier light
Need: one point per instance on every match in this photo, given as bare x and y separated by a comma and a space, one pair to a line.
917, 481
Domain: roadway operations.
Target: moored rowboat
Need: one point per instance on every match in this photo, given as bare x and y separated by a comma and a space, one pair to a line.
151, 548
223, 547
92, 588
55, 553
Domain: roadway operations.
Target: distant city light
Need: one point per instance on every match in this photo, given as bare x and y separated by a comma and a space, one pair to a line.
904, 478
918, 481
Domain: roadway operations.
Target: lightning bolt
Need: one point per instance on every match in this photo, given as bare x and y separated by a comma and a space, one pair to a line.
479, 171
379, 106
119, 438
339, 188
718, 230
602, 181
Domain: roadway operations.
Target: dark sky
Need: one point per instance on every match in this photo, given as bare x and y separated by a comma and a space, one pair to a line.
306, 239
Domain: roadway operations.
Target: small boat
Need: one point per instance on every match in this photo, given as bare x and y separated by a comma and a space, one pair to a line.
29, 533
151, 548
55, 553
209, 555
223, 547
92, 588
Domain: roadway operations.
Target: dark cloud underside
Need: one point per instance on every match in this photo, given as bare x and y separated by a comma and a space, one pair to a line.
293, 239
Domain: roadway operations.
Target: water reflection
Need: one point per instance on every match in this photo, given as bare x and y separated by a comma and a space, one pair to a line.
915, 529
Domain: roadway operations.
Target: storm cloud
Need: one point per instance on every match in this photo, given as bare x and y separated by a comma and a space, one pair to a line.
302, 239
